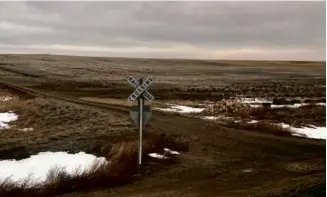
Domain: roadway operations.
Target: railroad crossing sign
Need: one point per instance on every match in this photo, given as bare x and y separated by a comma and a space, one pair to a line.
140, 114
140, 89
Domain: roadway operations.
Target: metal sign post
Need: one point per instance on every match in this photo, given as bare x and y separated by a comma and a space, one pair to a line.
140, 114
140, 139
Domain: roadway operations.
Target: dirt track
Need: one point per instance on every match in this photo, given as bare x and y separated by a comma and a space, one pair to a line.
221, 161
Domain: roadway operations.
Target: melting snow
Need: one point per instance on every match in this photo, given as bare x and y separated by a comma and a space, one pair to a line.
220, 117
171, 151
257, 101
6, 99
296, 105
210, 117
309, 132
181, 109
7, 117
254, 100
247, 170
37, 166
157, 156
255, 106
26, 129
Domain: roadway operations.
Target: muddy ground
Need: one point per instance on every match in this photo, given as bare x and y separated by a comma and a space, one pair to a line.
221, 161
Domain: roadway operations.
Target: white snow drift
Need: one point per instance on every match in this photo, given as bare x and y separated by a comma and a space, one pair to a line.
26, 129
181, 109
254, 100
211, 117
296, 105
7, 117
160, 156
36, 167
257, 102
171, 151
4, 99
252, 122
309, 132
157, 156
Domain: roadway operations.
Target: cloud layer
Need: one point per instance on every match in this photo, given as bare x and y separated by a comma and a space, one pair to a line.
214, 30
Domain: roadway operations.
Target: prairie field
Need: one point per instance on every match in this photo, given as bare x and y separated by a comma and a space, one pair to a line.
241, 128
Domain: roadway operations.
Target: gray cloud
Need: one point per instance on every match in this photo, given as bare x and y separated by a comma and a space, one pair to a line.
250, 30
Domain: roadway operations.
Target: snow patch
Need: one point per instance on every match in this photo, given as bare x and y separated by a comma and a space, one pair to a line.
171, 151
310, 131
254, 100
220, 117
181, 109
157, 156
253, 122
210, 117
255, 106
8, 98
296, 105
26, 129
7, 117
37, 166
247, 170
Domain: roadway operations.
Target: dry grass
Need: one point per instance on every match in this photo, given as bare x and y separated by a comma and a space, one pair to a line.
59, 125
8, 100
119, 170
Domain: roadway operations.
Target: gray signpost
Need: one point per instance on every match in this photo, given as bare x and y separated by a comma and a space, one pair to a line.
140, 114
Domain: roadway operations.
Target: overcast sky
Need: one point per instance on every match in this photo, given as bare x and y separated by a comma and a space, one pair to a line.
205, 30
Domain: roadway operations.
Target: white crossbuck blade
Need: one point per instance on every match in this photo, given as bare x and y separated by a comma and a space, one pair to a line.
140, 88
135, 84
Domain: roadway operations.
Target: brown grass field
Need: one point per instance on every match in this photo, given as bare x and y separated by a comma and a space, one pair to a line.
79, 104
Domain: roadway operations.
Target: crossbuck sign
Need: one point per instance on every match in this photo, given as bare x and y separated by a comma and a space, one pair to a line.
140, 114
140, 89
